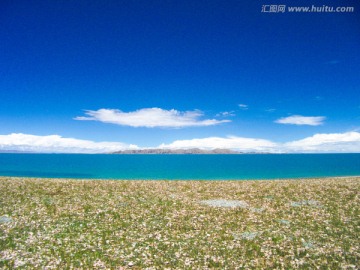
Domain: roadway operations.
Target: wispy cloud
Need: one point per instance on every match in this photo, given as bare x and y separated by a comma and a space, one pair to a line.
150, 117
226, 114
230, 142
270, 110
332, 62
243, 106
302, 120
57, 144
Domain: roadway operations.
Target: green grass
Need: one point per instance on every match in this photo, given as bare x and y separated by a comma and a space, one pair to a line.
67, 224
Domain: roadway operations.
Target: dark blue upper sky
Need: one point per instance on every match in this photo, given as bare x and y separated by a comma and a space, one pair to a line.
60, 58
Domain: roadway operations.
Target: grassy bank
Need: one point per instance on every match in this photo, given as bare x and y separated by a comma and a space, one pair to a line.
52, 223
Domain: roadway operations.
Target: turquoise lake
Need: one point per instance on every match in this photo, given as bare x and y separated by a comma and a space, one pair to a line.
184, 167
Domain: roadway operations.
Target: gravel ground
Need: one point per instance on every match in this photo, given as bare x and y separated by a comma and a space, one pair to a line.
86, 224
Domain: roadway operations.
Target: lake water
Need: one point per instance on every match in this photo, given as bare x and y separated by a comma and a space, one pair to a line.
204, 167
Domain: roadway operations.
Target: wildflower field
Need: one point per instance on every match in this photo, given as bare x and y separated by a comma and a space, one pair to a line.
95, 224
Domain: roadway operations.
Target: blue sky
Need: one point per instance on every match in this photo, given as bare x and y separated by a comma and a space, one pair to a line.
150, 73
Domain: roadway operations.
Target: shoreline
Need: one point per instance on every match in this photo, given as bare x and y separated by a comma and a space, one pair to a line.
182, 180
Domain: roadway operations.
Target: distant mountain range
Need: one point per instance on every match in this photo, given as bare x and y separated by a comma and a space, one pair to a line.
178, 151
14, 152
157, 151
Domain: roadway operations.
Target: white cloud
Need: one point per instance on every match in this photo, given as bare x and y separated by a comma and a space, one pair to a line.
57, 144
150, 117
301, 120
243, 106
348, 142
230, 142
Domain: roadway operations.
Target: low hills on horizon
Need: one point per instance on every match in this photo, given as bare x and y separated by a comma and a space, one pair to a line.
178, 151
152, 151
